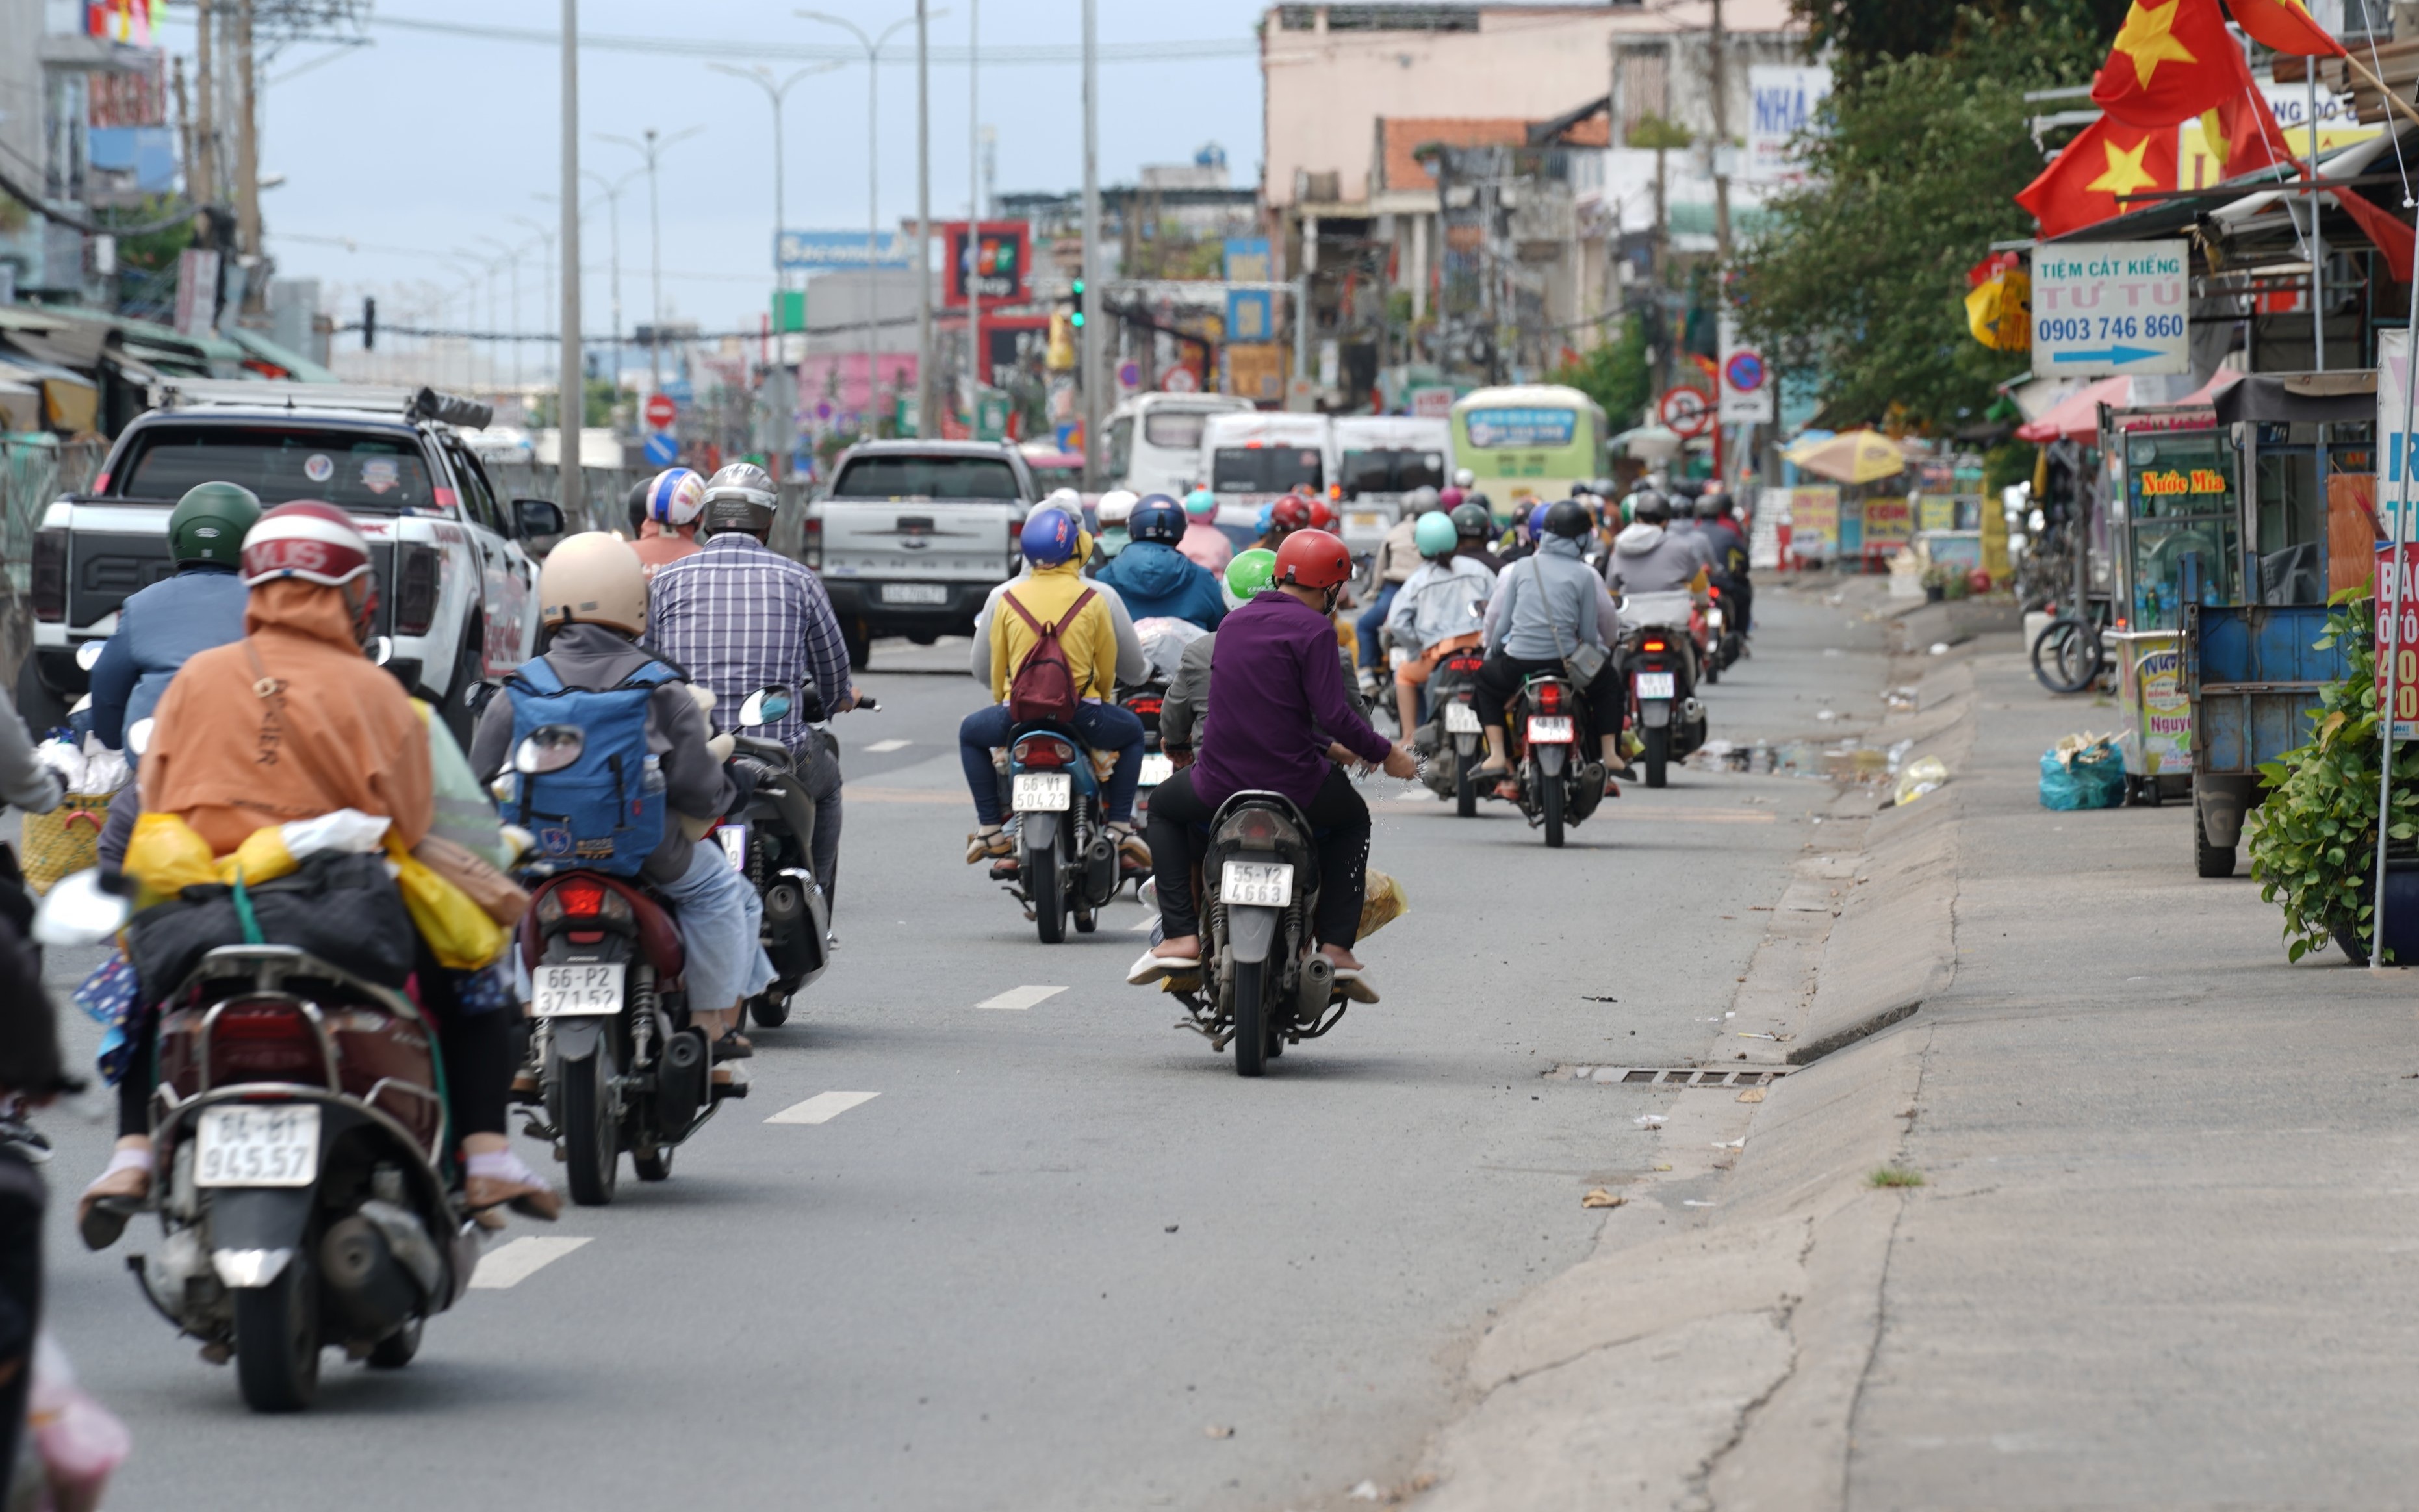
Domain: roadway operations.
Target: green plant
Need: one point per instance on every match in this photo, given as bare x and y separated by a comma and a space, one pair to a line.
1616, 374
1888, 1176
2314, 846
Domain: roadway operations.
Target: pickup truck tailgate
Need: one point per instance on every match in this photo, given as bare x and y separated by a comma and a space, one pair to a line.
955, 541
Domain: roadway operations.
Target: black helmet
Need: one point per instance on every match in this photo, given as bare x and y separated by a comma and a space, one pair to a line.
1605, 489
1567, 519
634, 504
1472, 522
1713, 506
1648, 508
740, 498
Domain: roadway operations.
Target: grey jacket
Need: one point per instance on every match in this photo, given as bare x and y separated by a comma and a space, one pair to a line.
1545, 605
695, 784
23, 780
1650, 559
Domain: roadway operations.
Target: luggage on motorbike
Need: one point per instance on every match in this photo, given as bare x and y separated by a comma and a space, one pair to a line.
1043, 688
600, 812
340, 906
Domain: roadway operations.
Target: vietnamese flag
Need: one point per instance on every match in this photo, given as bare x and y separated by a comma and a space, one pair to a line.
2286, 26
2109, 159
2171, 61
2241, 134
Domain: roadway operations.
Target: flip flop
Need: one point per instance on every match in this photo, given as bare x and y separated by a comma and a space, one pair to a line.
1150, 968
1354, 983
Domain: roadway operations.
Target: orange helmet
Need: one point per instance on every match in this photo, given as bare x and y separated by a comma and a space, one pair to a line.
1322, 515
1291, 513
1312, 559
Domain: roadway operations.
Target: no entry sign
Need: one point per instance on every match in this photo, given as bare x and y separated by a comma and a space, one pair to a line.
661, 411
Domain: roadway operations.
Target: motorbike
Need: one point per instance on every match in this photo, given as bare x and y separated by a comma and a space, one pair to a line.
1658, 662
1558, 784
300, 1130
1144, 702
1066, 863
1453, 727
771, 844
1723, 641
1263, 985
619, 1064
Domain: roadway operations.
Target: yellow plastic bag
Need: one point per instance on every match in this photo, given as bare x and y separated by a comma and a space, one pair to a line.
262, 858
168, 855
1382, 902
458, 931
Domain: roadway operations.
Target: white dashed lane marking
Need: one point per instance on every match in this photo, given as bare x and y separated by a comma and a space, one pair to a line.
1142, 926
884, 747
822, 1107
1021, 997
513, 1263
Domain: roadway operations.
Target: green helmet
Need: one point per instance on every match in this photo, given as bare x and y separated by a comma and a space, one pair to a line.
1435, 534
209, 522
1251, 572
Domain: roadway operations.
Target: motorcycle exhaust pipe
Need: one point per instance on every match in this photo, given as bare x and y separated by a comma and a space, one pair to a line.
1099, 869
367, 1284
1318, 984
681, 1076
1691, 712
791, 940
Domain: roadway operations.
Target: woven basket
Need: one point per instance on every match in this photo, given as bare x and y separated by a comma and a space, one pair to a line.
63, 840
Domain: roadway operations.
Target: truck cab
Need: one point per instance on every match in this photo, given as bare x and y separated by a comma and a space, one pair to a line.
912, 536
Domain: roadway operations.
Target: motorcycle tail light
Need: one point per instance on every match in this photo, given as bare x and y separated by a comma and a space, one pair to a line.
1253, 829
581, 898
1145, 705
264, 1041
50, 576
1048, 753
1549, 697
1715, 592
1653, 645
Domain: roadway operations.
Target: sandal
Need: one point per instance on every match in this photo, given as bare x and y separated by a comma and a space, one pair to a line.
733, 1045
498, 1179
1150, 967
983, 847
121, 1190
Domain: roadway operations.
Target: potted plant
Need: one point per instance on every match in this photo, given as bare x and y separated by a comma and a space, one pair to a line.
1936, 580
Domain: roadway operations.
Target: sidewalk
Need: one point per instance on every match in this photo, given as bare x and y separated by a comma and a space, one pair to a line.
2164, 1243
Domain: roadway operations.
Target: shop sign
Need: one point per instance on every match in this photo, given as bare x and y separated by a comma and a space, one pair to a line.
2103, 307
2173, 482
2165, 728
1889, 522
2402, 696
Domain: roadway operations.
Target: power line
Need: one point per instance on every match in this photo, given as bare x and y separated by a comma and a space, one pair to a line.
1032, 52
354, 244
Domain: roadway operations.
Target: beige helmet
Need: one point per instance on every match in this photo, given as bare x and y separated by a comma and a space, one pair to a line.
593, 578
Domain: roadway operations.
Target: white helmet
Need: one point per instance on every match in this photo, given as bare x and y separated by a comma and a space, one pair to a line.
593, 578
1464, 479
1065, 501
1116, 507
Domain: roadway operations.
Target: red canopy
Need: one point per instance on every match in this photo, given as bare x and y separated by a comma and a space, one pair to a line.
2077, 416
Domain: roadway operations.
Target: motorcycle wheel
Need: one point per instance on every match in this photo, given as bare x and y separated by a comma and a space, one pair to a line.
1464, 789
277, 1337
652, 1166
770, 1009
1551, 799
1251, 1018
590, 1141
1049, 896
1658, 754
395, 1351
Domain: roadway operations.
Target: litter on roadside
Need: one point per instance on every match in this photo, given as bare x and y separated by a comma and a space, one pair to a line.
1918, 777
1650, 1120
1599, 1197
2083, 771
1366, 1491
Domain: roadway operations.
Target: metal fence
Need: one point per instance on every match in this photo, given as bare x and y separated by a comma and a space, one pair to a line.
34, 471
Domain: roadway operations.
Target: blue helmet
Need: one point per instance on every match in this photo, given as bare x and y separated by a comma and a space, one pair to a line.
1538, 521
676, 497
1266, 517
1050, 537
1156, 518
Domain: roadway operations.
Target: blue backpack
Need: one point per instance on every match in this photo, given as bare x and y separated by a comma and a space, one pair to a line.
600, 812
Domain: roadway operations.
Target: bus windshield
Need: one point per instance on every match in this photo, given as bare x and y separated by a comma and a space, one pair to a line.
1391, 470
1266, 470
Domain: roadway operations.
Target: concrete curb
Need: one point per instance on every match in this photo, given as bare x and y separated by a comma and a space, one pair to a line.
1709, 1353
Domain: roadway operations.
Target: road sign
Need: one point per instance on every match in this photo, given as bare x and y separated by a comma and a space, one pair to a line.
661, 411
1129, 374
997, 267
1685, 410
818, 250
2106, 307
1747, 383
680, 391
661, 450
1432, 403
1178, 378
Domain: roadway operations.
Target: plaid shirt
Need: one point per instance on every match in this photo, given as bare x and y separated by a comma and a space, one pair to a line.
738, 616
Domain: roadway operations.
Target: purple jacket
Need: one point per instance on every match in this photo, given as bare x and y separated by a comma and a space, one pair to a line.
1275, 685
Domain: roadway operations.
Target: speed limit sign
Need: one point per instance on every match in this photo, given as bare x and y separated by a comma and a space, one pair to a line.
1686, 410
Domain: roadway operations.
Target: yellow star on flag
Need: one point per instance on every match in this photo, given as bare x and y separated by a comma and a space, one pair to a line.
2124, 173
2148, 38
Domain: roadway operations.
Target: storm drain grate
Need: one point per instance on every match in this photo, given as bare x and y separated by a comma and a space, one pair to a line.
1675, 1075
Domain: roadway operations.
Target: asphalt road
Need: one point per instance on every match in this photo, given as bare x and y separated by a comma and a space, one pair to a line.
1053, 1254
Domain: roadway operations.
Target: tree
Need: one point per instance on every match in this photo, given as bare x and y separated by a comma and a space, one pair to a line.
1861, 277
1863, 32
1615, 374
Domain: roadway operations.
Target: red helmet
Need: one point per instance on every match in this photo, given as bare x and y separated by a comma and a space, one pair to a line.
1322, 515
306, 539
1312, 559
1290, 512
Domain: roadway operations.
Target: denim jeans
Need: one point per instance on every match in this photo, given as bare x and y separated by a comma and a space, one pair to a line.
1100, 726
1371, 620
721, 924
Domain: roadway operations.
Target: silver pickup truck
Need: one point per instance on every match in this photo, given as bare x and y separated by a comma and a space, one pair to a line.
912, 535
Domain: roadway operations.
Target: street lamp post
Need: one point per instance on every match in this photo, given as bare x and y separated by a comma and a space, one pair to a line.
653, 150
763, 78
571, 402
872, 179
511, 257
546, 240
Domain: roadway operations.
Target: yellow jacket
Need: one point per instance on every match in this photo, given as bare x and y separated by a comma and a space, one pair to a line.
1090, 643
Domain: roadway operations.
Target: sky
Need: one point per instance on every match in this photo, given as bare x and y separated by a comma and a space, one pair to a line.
423, 142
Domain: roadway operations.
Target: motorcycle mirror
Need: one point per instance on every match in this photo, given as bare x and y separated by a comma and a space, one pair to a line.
89, 652
138, 736
766, 706
380, 650
78, 910
549, 747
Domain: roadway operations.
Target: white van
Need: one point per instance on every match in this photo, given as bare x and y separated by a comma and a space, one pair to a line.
1258, 456
1379, 459
1155, 439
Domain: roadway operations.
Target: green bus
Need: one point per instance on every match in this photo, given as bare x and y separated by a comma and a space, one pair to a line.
1529, 442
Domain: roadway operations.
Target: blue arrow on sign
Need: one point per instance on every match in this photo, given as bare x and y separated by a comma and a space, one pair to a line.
660, 449
2119, 355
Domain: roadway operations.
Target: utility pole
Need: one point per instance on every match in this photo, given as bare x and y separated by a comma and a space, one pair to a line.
651, 149
1095, 444
978, 366
925, 409
1721, 137
206, 142
571, 401
247, 160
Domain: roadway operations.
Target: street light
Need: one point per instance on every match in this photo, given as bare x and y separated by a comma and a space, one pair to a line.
611, 188
872, 46
487, 266
546, 240
651, 149
763, 78
511, 257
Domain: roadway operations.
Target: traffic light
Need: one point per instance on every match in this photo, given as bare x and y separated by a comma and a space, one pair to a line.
1078, 321
369, 323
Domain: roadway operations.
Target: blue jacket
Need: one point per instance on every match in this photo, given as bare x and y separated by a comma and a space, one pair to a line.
1155, 578
201, 607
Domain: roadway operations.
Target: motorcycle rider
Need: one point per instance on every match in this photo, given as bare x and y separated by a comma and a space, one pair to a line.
291, 722
675, 497
1133, 666
1051, 543
1648, 557
738, 616
1543, 610
1718, 524
1204, 542
592, 602
1398, 557
1286, 516
1186, 706
1440, 609
1154, 577
1280, 707
1115, 511
1474, 528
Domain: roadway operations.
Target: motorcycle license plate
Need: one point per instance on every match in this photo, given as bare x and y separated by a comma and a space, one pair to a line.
914, 594
1714, 620
1260, 884
1553, 729
1460, 719
1657, 684
260, 1145
1363, 519
1156, 768
573, 990
1037, 791
735, 845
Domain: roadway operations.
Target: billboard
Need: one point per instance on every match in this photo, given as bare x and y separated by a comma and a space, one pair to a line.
1781, 101
996, 267
816, 251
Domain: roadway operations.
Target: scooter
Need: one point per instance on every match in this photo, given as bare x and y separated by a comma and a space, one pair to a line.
1558, 784
1067, 862
772, 842
1453, 735
1144, 702
301, 1134
1660, 665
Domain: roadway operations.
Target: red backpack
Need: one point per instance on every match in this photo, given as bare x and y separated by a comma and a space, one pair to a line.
1044, 686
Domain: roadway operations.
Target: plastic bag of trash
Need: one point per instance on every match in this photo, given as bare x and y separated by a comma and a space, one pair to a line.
1920, 777
2081, 771
1382, 902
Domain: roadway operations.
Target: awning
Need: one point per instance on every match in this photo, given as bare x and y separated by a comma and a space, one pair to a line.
2076, 417
1851, 457
1649, 443
2313, 398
